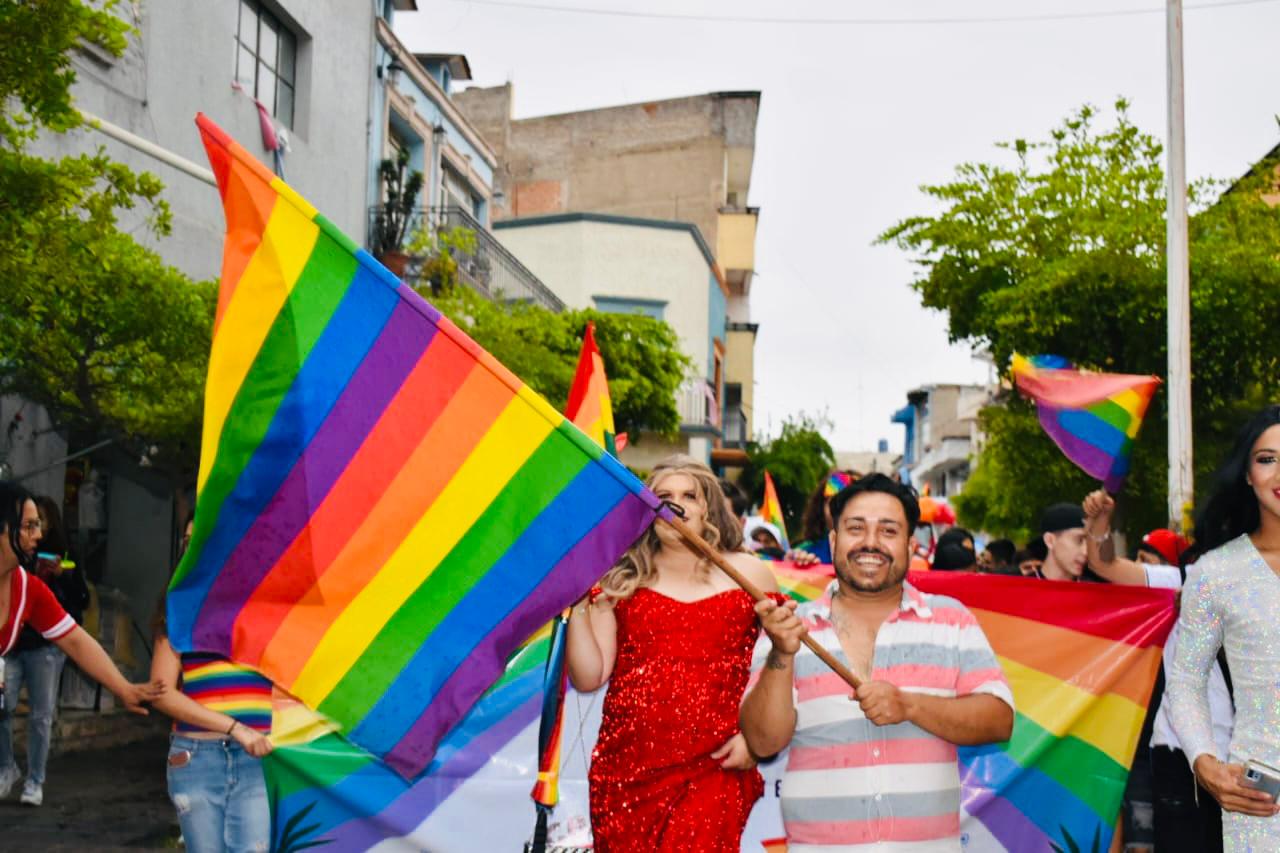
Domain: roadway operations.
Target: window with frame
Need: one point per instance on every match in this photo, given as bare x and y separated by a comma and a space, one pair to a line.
267, 60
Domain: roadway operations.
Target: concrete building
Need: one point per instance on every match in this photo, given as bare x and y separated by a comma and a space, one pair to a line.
412, 111
680, 161
307, 65
942, 435
655, 267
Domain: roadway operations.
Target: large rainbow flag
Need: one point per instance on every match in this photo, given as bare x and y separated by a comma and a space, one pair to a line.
1093, 417
385, 512
1081, 659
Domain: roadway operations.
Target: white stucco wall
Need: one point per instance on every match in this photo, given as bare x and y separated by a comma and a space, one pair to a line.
583, 259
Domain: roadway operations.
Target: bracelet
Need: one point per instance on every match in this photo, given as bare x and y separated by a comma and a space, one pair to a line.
232, 727
1103, 538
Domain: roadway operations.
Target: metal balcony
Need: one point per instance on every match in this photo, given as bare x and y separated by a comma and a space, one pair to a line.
491, 270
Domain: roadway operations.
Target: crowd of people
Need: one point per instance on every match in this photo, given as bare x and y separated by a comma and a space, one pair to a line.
876, 764
703, 681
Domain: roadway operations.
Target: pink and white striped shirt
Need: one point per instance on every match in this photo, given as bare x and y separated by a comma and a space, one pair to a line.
851, 785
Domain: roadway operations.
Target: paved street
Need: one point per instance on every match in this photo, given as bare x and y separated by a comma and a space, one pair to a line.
112, 799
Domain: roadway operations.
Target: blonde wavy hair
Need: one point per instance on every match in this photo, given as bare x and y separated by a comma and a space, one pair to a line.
720, 529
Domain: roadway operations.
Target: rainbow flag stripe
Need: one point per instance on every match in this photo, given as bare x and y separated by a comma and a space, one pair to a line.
385, 512
1082, 660
1093, 417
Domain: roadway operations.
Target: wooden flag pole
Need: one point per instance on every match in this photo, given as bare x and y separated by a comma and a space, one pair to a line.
700, 545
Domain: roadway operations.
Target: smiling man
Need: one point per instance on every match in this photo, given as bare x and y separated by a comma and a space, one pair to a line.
878, 768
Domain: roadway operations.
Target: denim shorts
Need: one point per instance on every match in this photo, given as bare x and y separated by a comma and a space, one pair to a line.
220, 795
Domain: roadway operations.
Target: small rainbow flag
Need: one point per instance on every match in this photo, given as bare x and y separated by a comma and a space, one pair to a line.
771, 510
546, 790
803, 583
589, 407
1093, 417
1082, 660
385, 511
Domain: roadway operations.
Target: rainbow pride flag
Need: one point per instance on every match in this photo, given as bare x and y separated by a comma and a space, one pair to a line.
385, 512
1093, 417
771, 510
1082, 660
589, 407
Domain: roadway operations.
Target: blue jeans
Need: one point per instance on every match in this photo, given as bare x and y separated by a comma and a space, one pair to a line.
220, 794
40, 670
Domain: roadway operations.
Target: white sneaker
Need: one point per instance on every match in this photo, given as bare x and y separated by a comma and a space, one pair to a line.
32, 794
8, 778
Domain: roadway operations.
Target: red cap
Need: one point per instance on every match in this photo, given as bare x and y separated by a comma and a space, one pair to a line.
1167, 544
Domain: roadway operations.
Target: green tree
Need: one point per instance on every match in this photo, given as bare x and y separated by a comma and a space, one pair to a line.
641, 355
1061, 250
93, 326
797, 459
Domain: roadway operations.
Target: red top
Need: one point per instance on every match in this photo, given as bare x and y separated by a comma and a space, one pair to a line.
32, 603
673, 700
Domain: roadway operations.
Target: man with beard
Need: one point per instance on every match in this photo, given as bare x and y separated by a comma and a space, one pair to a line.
876, 768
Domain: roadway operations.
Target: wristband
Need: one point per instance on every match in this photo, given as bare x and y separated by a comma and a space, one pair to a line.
232, 727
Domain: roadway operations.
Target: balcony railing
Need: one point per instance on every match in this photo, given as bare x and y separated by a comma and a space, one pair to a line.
491, 270
698, 407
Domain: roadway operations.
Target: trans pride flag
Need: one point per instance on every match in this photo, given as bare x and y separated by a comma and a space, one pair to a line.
385, 512
1093, 417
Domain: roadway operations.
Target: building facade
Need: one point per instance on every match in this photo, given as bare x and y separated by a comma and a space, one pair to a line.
683, 161
413, 117
655, 267
942, 435
296, 71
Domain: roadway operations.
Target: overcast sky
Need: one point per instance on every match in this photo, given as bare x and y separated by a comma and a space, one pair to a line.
853, 118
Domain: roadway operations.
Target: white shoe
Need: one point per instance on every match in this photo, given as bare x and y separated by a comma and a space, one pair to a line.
32, 794
8, 778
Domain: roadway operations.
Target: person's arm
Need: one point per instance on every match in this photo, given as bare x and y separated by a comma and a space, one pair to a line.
963, 720
166, 669
1099, 507
1187, 692
97, 664
591, 646
768, 714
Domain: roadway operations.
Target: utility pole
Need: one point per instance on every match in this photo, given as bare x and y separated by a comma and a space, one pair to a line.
1179, 298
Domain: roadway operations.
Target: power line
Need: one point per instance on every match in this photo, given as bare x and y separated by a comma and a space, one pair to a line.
870, 22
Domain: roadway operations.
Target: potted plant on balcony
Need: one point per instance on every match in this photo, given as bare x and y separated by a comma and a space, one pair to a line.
440, 271
391, 224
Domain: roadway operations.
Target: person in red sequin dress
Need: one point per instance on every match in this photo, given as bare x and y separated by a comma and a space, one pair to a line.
673, 637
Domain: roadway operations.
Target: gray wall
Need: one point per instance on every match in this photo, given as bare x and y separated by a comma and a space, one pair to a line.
182, 61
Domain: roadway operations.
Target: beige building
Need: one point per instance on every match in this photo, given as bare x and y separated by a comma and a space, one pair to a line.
654, 267
943, 435
684, 161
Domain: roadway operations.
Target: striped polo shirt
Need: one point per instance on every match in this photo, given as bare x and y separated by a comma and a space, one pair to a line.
220, 685
851, 785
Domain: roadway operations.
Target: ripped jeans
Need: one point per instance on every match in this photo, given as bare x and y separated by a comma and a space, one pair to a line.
220, 795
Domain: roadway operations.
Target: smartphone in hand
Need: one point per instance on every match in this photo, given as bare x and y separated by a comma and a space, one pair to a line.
1262, 777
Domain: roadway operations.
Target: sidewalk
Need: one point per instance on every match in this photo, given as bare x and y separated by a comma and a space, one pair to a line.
109, 799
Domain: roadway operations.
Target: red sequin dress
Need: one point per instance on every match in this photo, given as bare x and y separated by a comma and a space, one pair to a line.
673, 699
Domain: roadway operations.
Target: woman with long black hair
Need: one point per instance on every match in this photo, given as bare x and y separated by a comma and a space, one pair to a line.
1232, 601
